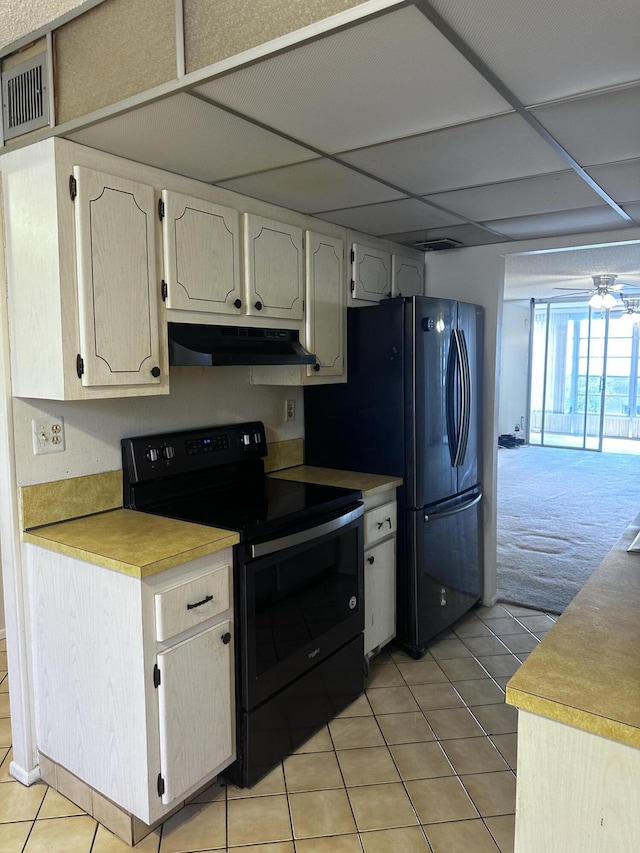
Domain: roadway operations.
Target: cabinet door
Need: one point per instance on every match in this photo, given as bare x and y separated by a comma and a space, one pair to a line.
201, 255
196, 709
273, 267
326, 304
380, 594
407, 276
371, 273
117, 280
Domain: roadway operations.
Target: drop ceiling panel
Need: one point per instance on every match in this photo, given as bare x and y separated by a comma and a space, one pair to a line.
313, 186
546, 50
598, 129
544, 193
482, 152
185, 135
467, 235
406, 215
620, 180
564, 222
382, 79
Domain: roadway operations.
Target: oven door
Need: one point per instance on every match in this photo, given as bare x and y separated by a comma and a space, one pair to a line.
301, 599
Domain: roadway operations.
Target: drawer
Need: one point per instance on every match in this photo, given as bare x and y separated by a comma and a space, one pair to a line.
379, 522
187, 604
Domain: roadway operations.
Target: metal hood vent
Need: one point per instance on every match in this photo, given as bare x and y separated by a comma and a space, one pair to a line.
211, 346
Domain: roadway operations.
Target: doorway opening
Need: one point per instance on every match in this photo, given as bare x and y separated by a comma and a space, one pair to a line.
584, 377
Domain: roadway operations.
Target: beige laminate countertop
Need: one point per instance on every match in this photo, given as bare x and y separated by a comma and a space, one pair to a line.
368, 484
131, 542
586, 671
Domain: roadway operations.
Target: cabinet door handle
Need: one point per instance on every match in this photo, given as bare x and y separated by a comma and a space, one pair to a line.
155, 371
258, 306
238, 303
200, 603
371, 560
316, 367
226, 638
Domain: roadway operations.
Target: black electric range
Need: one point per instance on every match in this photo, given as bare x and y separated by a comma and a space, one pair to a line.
298, 578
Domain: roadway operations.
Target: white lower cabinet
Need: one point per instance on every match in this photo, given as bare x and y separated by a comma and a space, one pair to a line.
143, 722
195, 716
380, 525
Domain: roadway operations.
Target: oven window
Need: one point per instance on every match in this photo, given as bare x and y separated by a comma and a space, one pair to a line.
302, 595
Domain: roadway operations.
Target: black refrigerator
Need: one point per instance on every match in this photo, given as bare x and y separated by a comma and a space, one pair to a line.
412, 408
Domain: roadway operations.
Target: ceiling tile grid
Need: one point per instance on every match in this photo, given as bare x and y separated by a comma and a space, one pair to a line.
407, 215
393, 126
390, 77
547, 50
186, 135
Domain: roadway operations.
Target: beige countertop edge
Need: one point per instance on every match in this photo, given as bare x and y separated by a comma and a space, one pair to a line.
575, 717
368, 484
139, 571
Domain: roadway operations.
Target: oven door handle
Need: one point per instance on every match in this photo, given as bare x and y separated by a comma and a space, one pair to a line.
262, 549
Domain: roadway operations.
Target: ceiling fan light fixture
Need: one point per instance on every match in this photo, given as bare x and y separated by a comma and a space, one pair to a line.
600, 301
631, 313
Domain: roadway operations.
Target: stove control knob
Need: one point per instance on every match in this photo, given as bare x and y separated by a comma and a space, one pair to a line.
151, 455
168, 452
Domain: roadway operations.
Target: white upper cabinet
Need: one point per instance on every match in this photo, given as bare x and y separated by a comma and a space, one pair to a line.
407, 276
371, 273
84, 292
273, 268
326, 304
325, 324
201, 255
117, 281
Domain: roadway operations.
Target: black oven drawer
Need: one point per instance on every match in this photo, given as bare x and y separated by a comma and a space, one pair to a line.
300, 599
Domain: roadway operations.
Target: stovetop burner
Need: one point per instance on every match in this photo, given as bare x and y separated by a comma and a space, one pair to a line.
215, 476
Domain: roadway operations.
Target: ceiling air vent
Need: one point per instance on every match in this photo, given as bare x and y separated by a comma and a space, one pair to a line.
437, 245
25, 97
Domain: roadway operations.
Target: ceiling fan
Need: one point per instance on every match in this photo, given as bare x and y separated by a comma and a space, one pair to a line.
604, 290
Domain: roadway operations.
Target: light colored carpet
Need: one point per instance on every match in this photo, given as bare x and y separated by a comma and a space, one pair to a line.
559, 513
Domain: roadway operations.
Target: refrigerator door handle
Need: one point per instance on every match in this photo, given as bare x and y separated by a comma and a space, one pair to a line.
448, 512
465, 397
451, 408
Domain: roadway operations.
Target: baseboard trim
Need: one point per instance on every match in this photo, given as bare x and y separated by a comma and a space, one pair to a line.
27, 777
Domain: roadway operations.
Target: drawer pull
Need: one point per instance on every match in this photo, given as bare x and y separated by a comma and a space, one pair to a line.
387, 520
371, 560
205, 600
226, 638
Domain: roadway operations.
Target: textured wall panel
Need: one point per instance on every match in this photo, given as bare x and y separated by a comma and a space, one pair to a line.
20, 18
114, 51
214, 31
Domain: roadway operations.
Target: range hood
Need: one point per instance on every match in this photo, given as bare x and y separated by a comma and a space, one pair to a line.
203, 345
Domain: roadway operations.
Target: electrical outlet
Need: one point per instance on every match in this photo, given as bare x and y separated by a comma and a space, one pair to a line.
290, 410
47, 435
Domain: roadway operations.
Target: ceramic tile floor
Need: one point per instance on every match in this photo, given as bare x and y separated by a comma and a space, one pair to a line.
424, 762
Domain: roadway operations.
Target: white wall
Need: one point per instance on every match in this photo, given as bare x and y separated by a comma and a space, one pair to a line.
514, 368
200, 396
476, 274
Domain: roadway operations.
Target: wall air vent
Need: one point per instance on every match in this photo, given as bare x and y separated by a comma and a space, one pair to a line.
437, 245
25, 97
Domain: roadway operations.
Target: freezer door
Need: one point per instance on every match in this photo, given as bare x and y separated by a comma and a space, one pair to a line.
469, 339
446, 557
432, 476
